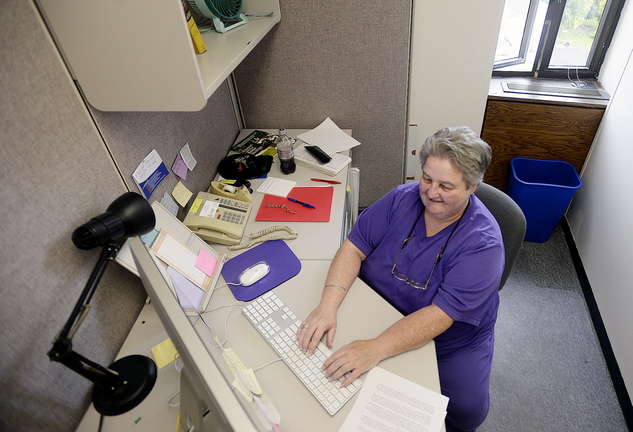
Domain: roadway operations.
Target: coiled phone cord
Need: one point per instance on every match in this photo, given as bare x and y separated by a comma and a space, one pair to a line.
256, 238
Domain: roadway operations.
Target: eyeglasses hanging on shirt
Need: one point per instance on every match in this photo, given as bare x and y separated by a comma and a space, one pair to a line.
401, 276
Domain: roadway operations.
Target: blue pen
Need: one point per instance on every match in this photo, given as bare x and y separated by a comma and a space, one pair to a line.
302, 203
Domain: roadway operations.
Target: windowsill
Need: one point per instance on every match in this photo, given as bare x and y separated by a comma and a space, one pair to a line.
556, 91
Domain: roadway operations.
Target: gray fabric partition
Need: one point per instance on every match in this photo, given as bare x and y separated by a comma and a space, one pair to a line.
345, 60
130, 136
57, 174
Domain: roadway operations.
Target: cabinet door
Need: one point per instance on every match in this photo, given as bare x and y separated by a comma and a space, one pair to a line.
138, 55
128, 56
538, 131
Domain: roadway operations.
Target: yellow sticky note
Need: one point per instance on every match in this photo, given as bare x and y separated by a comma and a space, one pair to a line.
164, 353
195, 206
181, 194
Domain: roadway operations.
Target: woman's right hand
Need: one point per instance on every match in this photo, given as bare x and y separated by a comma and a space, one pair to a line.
321, 320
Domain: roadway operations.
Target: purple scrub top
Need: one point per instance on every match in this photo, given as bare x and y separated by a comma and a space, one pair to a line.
464, 283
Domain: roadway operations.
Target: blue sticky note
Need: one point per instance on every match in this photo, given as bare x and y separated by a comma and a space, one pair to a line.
189, 295
149, 238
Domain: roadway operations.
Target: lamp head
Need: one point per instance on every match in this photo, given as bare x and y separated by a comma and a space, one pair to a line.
129, 215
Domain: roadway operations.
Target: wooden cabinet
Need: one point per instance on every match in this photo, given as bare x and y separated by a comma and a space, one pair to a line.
138, 56
538, 128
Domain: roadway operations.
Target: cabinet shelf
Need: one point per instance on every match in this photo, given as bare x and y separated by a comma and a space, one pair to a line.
138, 56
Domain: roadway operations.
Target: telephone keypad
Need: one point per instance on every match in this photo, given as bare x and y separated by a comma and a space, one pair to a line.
243, 206
233, 217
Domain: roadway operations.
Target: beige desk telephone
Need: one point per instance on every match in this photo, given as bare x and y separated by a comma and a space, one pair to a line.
220, 216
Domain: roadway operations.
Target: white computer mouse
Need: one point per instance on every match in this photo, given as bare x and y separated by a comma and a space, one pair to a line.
254, 273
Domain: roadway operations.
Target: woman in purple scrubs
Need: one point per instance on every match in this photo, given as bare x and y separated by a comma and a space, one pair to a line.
435, 252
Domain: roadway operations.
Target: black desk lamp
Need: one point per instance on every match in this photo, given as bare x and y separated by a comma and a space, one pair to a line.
127, 381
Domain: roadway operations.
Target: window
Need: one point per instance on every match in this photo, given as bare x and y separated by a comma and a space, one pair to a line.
555, 38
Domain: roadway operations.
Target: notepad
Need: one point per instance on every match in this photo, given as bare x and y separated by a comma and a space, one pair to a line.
333, 167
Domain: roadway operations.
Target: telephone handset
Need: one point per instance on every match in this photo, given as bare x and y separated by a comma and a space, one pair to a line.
218, 218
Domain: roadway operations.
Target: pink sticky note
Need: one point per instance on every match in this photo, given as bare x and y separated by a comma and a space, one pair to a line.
180, 168
206, 262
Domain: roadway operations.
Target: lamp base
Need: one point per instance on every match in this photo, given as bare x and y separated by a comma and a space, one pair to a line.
139, 372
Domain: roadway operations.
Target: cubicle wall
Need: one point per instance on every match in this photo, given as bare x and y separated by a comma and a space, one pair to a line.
130, 136
64, 164
347, 60
56, 175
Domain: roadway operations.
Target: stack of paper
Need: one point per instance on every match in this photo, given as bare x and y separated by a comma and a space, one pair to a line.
332, 168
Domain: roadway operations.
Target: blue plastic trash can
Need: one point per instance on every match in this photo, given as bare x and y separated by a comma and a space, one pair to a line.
543, 189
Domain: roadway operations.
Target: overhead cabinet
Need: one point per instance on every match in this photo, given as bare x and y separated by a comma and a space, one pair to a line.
138, 55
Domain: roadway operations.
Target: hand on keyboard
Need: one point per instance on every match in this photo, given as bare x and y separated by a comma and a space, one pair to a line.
279, 326
321, 321
354, 358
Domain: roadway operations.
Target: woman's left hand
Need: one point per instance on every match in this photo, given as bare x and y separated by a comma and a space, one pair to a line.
356, 358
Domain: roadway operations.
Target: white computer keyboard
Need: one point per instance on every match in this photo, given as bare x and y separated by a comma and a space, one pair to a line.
278, 325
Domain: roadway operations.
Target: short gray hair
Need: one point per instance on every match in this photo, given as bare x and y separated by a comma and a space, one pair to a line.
466, 151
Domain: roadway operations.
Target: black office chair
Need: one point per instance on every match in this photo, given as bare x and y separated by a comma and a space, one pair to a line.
511, 220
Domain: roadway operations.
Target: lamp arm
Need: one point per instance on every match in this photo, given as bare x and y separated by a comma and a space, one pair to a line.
108, 253
108, 379
62, 345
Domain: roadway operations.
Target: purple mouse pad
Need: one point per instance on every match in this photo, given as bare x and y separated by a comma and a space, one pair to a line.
283, 264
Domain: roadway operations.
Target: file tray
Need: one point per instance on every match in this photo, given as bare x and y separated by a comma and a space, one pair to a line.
167, 221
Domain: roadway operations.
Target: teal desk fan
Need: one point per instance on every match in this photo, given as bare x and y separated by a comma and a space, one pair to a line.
225, 14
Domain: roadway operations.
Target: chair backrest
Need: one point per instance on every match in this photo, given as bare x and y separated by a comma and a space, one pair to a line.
511, 220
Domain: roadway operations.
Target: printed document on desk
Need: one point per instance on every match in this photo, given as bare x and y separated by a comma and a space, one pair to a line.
390, 402
276, 186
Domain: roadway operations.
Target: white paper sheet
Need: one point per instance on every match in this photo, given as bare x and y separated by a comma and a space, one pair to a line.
329, 137
276, 186
187, 157
170, 205
390, 403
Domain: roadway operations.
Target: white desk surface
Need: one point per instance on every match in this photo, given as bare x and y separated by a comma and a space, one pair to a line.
362, 315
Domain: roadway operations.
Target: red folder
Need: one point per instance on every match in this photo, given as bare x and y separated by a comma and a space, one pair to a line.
318, 196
